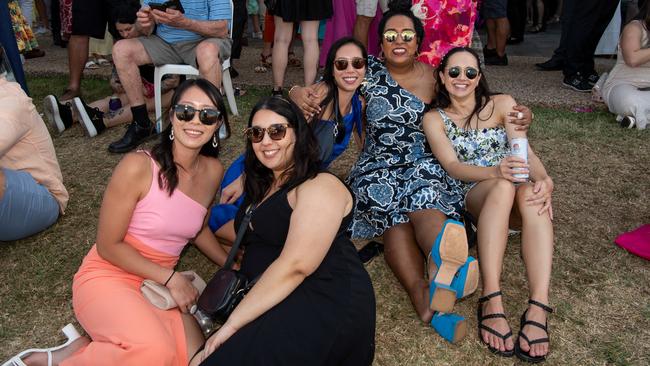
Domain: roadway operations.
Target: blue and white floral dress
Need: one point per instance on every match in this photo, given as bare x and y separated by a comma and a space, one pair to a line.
484, 147
396, 172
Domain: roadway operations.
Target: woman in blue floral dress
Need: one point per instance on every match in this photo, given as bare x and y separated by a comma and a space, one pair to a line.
469, 135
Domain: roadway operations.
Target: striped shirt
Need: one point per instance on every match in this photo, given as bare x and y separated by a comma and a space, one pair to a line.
196, 10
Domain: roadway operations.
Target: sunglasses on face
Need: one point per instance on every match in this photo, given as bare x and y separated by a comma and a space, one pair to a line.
455, 72
391, 36
207, 116
276, 132
357, 62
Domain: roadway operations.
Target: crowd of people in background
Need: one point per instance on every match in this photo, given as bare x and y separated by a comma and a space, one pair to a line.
400, 78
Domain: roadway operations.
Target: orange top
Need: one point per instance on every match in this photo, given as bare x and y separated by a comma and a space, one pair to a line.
25, 143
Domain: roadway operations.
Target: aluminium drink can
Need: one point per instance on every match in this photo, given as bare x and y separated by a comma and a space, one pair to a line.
519, 148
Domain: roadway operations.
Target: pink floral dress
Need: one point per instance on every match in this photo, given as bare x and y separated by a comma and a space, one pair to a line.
447, 24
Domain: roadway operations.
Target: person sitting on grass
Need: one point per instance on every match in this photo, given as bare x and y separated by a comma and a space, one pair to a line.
627, 89
469, 135
313, 303
155, 203
340, 117
101, 114
32, 194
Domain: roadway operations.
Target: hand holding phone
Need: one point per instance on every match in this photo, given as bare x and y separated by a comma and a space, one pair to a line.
171, 4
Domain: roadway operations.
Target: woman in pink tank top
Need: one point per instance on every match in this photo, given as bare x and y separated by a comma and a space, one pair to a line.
155, 203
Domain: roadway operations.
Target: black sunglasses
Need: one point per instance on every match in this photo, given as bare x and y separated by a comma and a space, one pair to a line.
391, 36
455, 71
207, 116
276, 132
357, 62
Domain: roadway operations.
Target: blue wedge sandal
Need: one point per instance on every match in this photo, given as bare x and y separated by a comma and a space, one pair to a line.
449, 253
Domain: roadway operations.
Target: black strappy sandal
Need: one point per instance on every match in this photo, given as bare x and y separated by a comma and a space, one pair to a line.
481, 317
521, 354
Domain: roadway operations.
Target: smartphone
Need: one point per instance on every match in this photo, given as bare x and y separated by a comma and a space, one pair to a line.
171, 4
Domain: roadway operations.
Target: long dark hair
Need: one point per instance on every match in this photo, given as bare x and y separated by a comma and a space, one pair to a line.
481, 93
644, 15
163, 153
125, 11
306, 162
402, 7
328, 79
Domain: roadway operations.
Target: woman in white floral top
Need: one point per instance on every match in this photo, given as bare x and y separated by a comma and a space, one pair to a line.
469, 136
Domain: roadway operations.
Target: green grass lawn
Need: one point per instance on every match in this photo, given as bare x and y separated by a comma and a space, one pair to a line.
600, 292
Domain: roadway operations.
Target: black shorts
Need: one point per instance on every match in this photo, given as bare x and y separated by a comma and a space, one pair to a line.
89, 18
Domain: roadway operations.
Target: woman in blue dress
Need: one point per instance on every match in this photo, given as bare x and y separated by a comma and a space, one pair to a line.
401, 190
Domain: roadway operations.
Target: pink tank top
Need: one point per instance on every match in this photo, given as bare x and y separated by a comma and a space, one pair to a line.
163, 222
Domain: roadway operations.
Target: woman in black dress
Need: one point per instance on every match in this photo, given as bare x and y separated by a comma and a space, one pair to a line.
308, 13
313, 303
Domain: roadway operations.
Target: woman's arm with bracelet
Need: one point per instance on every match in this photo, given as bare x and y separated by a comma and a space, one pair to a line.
129, 184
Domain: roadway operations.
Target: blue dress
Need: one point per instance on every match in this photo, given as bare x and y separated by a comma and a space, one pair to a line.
396, 172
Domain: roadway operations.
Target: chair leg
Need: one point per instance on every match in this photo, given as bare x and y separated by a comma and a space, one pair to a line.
230, 93
157, 79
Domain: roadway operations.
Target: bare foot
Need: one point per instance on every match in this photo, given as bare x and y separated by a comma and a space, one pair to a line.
40, 358
420, 301
538, 315
500, 325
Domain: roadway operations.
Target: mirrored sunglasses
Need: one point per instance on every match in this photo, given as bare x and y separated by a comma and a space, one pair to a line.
207, 116
391, 36
276, 132
357, 62
455, 71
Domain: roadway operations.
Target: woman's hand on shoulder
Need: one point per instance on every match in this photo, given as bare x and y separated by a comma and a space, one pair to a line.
308, 98
517, 115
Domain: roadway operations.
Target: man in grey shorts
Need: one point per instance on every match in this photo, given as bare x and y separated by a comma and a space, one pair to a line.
366, 11
198, 37
496, 14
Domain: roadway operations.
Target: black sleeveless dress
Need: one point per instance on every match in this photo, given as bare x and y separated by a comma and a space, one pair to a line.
298, 10
329, 319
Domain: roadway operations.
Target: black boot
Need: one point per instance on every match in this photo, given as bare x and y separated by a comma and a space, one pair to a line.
134, 136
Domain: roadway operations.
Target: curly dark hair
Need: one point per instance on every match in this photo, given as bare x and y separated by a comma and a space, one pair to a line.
163, 152
482, 93
402, 7
306, 161
332, 88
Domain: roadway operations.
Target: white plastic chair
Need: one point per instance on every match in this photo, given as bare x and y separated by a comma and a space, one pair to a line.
163, 70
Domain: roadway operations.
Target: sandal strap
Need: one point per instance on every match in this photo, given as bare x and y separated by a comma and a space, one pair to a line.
489, 296
538, 340
494, 316
545, 307
491, 330
538, 325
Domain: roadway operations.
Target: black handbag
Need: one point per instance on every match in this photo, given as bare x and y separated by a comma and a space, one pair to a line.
227, 287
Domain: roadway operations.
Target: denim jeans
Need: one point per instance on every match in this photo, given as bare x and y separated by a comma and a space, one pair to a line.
26, 206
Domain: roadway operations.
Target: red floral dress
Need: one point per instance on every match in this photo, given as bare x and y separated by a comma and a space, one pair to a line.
447, 24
